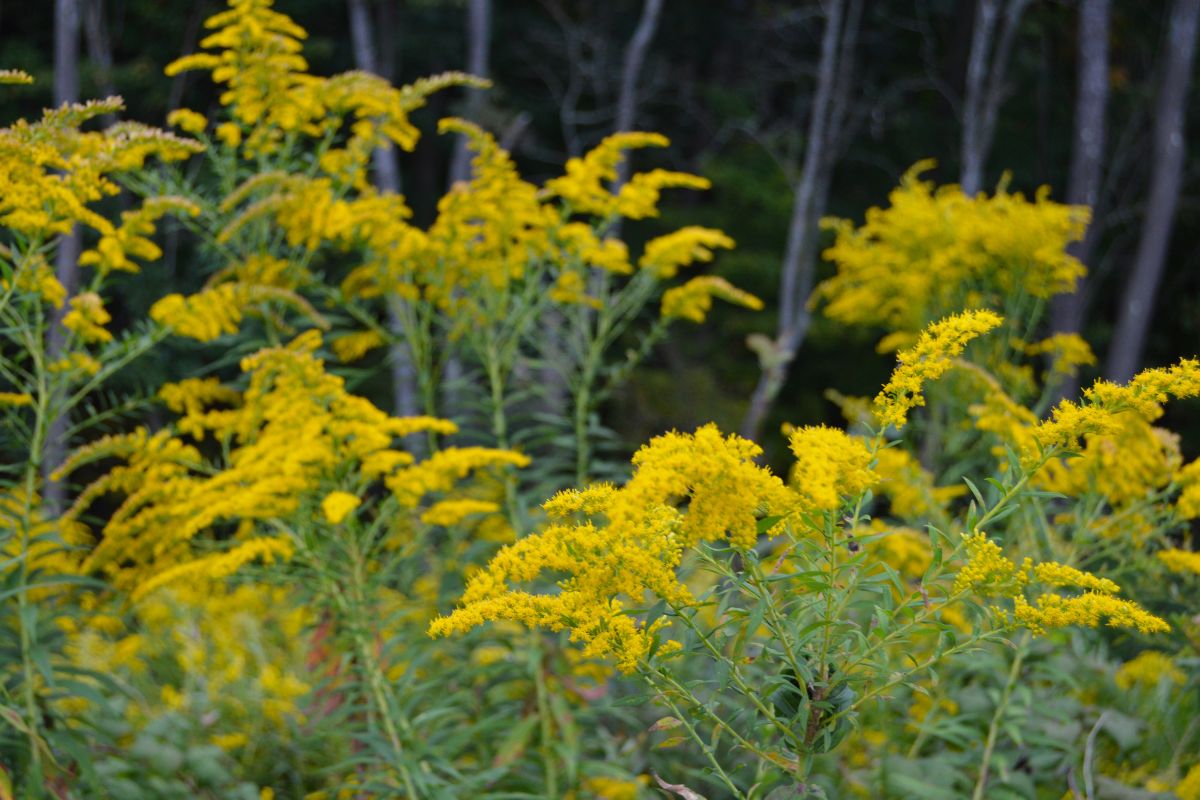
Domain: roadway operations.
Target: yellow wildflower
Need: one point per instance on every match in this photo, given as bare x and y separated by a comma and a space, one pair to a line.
452, 512
1103, 402
1067, 351
80, 363
187, 120
1088, 609
932, 355
936, 251
15, 399
1182, 561
633, 551
211, 313
88, 317
665, 255
15, 76
570, 289
908, 486
1148, 669
831, 466
987, 570
117, 247
586, 185
220, 565
693, 300
1189, 787
337, 505
353, 346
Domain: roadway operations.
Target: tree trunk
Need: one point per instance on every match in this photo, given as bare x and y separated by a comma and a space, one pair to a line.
1137, 301
631, 73
808, 204
1087, 154
984, 89
405, 397
99, 49
479, 34
66, 258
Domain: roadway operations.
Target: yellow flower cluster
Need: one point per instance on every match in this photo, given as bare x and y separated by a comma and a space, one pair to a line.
905, 550
353, 346
87, 318
1181, 561
1067, 352
909, 487
587, 187
693, 300
286, 436
118, 246
214, 312
665, 255
1147, 670
628, 543
989, 573
1089, 609
270, 94
207, 570
831, 466
337, 506
935, 251
1189, 787
1100, 411
50, 170
1126, 466
242, 650
36, 276
927, 360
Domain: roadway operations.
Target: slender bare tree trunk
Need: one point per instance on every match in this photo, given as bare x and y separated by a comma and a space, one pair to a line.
99, 49
1087, 155
387, 167
631, 73
984, 89
798, 268
479, 36
1170, 148
66, 259
405, 398
388, 59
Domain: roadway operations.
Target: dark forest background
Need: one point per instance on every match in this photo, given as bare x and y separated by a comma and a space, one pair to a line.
794, 110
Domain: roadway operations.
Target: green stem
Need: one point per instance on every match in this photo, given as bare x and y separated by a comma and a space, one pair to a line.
544, 717
500, 431
705, 747
1001, 707
747, 691
373, 671
583, 403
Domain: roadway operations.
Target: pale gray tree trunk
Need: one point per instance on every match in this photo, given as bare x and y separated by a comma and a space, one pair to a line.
987, 67
631, 73
405, 398
1169, 150
797, 271
66, 259
1087, 155
99, 49
479, 36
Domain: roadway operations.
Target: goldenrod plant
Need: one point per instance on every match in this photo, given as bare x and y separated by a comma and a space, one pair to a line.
264, 584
